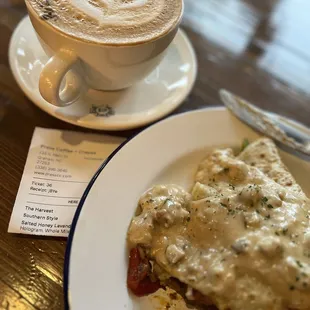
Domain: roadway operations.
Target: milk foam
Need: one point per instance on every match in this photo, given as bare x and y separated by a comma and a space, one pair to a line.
117, 12
110, 21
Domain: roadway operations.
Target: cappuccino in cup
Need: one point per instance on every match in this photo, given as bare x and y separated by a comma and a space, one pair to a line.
111, 22
104, 45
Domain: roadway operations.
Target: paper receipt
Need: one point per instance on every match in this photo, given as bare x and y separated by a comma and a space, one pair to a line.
59, 166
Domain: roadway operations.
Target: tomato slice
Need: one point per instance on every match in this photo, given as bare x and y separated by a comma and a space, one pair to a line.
137, 269
138, 280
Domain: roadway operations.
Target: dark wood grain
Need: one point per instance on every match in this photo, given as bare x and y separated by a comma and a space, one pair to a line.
257, 49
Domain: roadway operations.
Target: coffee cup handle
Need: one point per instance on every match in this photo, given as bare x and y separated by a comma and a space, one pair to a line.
52, 75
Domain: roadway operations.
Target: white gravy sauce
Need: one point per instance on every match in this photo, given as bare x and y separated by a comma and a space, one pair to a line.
239, 238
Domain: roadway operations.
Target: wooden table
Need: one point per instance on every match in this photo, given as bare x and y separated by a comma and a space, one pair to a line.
257, 49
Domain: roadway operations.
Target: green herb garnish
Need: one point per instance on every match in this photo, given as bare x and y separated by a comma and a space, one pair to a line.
232, 212
232, 186
245, 144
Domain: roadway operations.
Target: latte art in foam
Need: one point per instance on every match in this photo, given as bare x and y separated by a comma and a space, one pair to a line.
111, 21
117, 12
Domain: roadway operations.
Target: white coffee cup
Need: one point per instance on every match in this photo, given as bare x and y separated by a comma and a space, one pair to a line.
87, 65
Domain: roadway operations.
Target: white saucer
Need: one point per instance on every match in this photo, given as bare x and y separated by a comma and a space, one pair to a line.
151, 99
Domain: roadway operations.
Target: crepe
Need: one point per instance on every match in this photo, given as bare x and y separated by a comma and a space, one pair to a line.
263, 154
240, 240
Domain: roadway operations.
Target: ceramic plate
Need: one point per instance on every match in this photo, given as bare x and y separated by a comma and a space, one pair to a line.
168, 152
